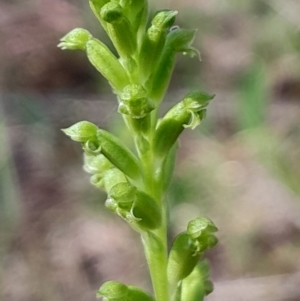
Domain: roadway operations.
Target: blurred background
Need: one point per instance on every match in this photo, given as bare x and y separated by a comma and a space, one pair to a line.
241, 167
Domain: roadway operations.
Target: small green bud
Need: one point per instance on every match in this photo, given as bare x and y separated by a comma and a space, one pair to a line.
96, 164
111, 205
81, 131
200, 225
201, 232
119, 154
75, 39
111, 12
113, 177
136, 11
134, 101
97, 181
119, 29
178, 40
113, 291
182, 258
146, 209
208, 287
154, 40
107, 64
123, 193
164, 19
186, 114
91, 147
135, 206
96, 6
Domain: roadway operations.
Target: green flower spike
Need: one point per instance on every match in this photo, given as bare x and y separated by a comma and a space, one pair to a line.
178, 40
75, 39
134, 101
119, 29
186, 114
154, 41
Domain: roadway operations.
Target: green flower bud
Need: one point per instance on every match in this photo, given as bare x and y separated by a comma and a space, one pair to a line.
178, 40
107, 64
134, 101
182, 258
146, 209
96, 6
81, 131
154, 41
75, 39
136, 11
135, 206
208, 287
91, 147
119, 154
124, 194
113, 290
97, 181
113, 177
197, 285
111, 205
201, 232
119, 29
187, 113
96, 164
199, 226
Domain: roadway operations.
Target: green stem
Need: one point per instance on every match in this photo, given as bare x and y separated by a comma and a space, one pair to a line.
156, 254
